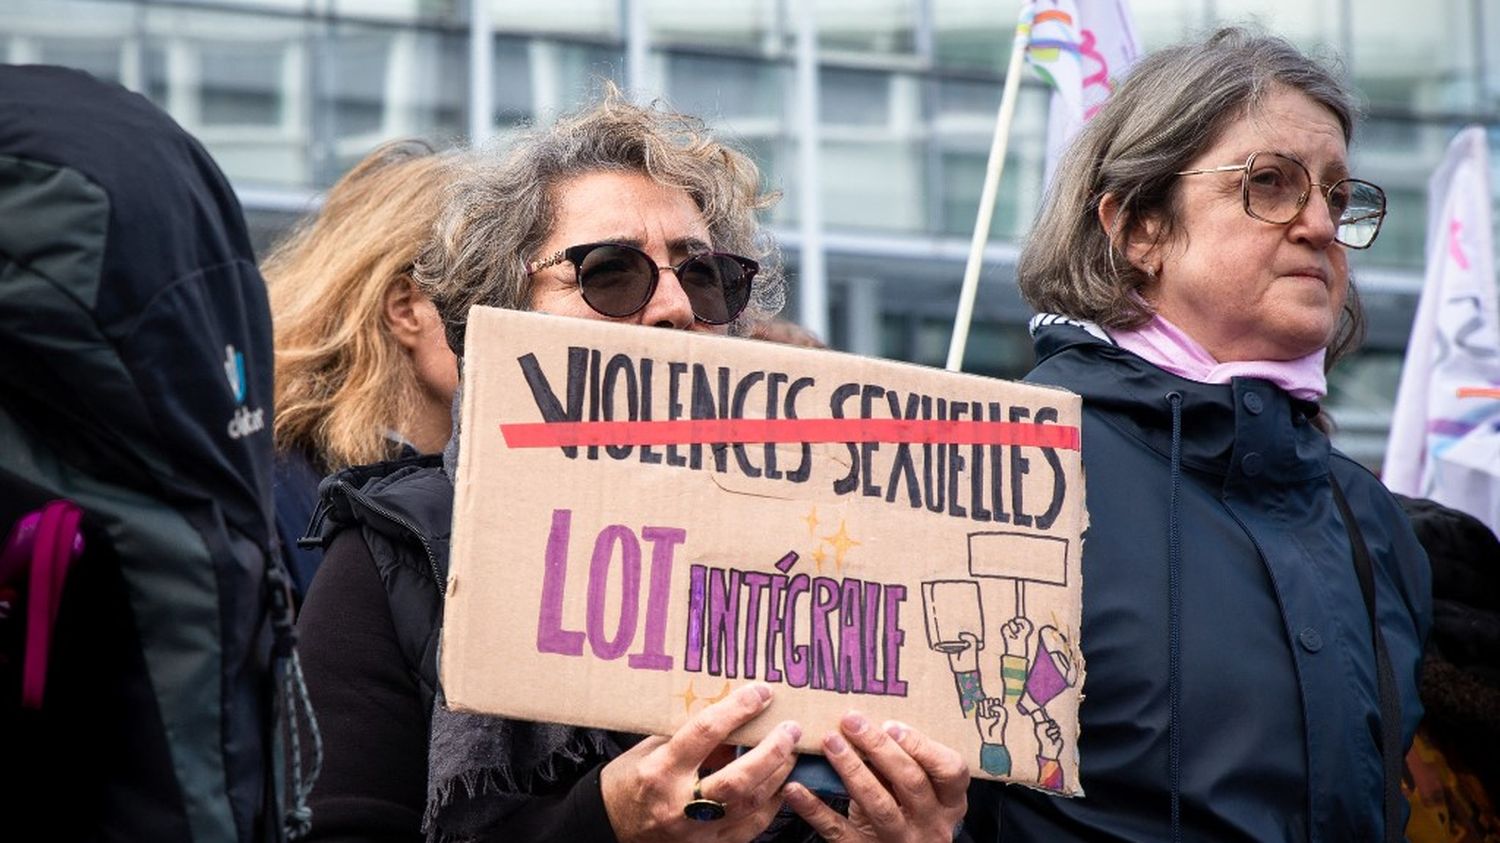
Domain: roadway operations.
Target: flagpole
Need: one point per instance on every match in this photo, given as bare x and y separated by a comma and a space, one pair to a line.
992, 173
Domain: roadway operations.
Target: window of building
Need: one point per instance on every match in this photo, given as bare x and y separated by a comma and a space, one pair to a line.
511, 84
1162, 22
972, 34
581, 18
1423, 61
383, 83
240, 83
749, 26
748, 92
395, 11
1313, 25
962, 140
878, 27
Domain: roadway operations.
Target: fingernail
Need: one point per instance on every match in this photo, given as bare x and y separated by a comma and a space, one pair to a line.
792, 729
854, 722
835, 744
795, 793
896, 729
757, 694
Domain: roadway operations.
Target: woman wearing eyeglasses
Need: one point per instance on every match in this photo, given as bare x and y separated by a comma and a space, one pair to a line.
624, 214
1191, 273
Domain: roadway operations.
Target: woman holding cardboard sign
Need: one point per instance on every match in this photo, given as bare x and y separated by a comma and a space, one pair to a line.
631, 215
1254, 601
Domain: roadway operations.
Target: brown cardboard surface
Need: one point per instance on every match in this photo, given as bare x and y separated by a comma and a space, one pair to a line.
630, 582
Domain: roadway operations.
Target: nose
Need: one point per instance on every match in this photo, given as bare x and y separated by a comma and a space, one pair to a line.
669, 306
1314, 225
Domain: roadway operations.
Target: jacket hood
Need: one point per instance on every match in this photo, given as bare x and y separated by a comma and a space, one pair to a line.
170, 211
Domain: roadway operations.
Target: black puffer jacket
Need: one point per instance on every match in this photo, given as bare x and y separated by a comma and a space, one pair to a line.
370, 629
406, 531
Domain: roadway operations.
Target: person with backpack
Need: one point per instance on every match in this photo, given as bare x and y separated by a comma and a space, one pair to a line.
620, 213
146, 614
363, 372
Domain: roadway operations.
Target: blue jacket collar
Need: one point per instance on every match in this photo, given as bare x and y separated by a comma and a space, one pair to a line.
1217, 419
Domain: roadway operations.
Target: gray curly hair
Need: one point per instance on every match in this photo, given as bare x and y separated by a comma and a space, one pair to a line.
501, 211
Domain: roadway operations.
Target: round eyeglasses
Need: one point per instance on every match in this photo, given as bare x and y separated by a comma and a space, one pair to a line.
1276, 189
617, 280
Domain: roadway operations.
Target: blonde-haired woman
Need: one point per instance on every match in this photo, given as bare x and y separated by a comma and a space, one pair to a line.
363, 373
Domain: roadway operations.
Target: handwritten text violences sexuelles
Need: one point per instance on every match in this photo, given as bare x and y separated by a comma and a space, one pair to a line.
946, 454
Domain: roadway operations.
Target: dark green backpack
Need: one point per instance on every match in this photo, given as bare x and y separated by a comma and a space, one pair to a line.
135, 383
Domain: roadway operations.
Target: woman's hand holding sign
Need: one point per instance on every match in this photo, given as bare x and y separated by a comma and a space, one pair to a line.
653, 792
902, 785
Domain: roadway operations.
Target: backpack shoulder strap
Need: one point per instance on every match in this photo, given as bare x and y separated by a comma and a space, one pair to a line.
1390, 705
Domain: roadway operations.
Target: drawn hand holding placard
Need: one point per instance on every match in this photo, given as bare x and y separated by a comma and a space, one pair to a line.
954, 612
1052, 672
1016, 633
955, 617
1049, 750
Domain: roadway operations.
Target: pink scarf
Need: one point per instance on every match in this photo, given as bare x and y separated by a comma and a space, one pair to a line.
1168, 347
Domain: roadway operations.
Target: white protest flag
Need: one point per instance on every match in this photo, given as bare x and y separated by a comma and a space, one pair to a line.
1054, 51
1082, 67
1083, 48
1447, 395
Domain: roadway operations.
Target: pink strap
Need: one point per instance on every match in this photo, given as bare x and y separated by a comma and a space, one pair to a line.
54, 543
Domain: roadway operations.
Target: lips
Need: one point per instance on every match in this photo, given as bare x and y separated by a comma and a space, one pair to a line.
1309, 272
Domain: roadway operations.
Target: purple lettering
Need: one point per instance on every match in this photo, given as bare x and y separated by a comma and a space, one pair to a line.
851, 654
723, 621
794, 654
869, 633
664, 541
825, 600
756, 582
693, 658
630, 588
550, 636
894, 638
774, 618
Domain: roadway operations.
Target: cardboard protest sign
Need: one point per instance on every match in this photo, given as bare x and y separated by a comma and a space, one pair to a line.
647, 519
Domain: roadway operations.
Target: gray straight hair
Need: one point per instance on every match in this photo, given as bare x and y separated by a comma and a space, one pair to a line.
503, 207
1174, 104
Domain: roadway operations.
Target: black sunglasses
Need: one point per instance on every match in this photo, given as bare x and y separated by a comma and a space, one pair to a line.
617, 280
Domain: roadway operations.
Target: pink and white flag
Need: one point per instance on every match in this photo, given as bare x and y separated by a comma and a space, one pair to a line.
1083, 49
1445, 433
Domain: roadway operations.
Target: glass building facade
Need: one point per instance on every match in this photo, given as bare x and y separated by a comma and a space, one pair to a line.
288, 94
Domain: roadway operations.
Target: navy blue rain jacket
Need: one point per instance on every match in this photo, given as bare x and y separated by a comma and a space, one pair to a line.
1278, 717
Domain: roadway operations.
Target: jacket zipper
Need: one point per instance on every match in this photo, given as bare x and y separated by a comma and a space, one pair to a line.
359, 498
